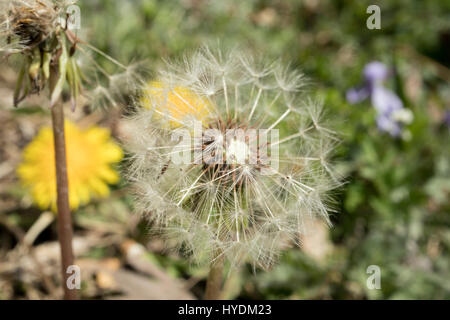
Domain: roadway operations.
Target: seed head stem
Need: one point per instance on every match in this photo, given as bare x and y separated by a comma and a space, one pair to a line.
65, 232
215, 277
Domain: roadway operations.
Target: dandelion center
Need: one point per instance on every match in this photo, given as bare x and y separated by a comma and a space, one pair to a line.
237, 151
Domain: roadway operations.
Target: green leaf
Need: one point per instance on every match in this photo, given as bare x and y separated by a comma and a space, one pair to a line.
47, 57
19, 83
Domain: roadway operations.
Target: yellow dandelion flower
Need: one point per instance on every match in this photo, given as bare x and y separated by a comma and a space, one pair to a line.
179, 105
90, 154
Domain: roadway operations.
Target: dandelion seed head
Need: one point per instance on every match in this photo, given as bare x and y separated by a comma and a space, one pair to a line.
223, 200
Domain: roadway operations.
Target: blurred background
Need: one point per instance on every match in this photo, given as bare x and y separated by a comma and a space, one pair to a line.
394, 210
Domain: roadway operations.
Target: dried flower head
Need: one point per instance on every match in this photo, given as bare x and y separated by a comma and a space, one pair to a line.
90, 156
25, 24
37, 31
229, 158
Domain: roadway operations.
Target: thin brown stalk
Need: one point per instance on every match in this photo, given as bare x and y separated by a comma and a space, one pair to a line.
65, 233
215, 278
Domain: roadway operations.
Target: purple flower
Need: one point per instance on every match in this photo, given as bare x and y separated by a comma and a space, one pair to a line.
384, 100
447, 118
391, 114
376, 72
387, 124
374, 75
356, 95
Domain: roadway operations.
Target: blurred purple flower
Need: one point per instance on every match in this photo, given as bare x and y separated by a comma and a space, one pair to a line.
356, 95
374, 75
376, 72
447, 118
387, 124
391, 114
